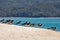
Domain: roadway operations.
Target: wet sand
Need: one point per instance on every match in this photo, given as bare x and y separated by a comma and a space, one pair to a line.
13, 32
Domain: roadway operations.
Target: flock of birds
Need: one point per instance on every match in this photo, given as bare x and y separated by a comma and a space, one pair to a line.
26, 24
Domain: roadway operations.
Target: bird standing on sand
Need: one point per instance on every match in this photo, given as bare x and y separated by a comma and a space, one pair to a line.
24, 23
6, 21
39, 25
52, 28
9, 21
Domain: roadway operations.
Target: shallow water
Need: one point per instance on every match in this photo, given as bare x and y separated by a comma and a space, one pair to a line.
46, 22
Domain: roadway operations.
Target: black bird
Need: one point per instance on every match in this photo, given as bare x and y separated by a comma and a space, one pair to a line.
53, 28
28, 23
24, 23
11, 21
39, 25
6, 21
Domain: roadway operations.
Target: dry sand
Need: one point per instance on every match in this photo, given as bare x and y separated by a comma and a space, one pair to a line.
13, 32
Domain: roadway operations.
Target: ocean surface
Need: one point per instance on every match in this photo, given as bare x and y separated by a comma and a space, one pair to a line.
46, 22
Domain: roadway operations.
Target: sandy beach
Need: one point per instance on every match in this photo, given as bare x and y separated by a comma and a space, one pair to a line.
13, 32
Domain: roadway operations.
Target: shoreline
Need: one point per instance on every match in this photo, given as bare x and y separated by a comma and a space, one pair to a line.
26, 26
14, 32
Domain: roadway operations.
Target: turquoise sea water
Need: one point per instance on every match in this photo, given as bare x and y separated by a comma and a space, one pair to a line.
46, 22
